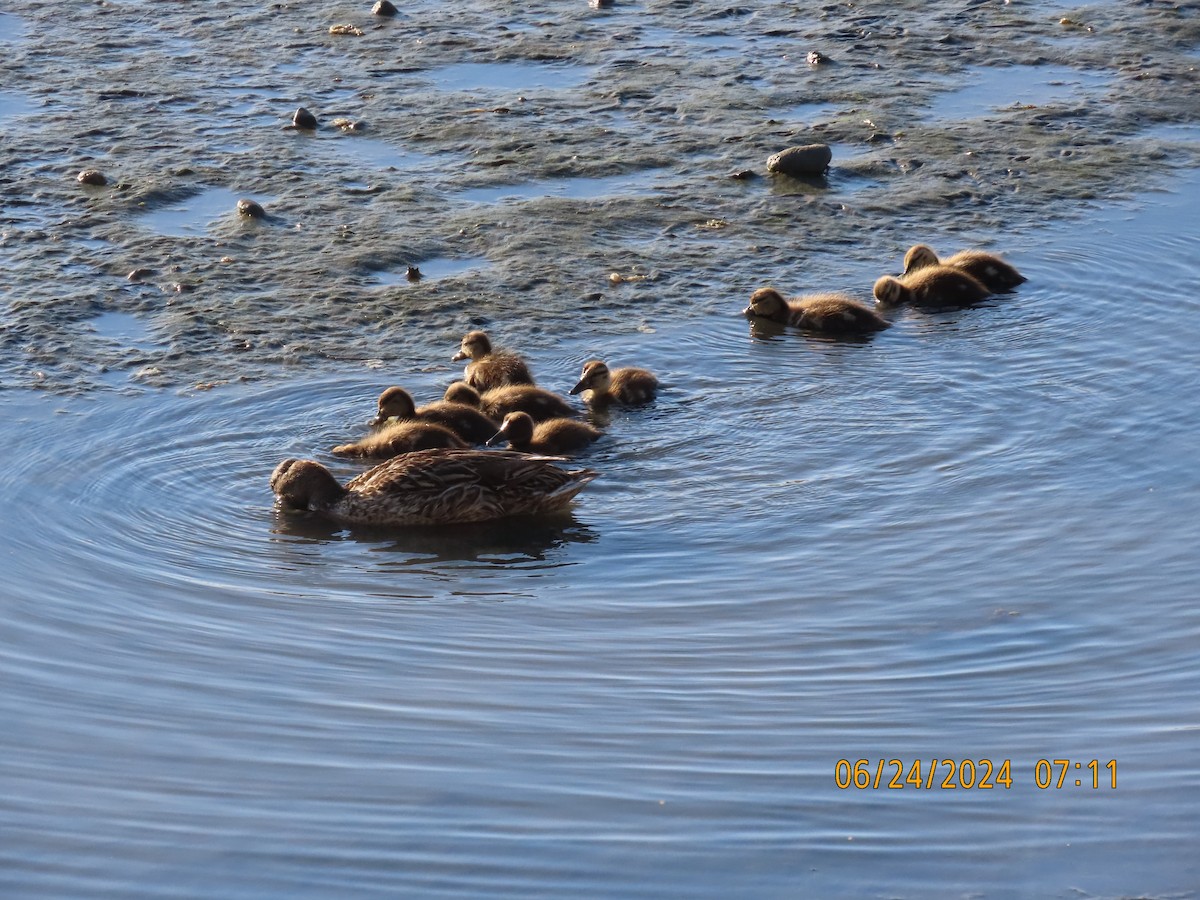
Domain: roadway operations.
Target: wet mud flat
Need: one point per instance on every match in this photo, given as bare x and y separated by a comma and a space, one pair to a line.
524, 156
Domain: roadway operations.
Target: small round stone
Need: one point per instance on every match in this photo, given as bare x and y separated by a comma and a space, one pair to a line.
304, 119
384, 8
93, 177
810, 159
250, 210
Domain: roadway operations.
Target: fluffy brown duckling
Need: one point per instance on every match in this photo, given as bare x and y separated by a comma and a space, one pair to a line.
553, 436
992, 272
935, 286
627, 386
432, 487
396, 405
489, 369
402, 437
499, 402
828, 313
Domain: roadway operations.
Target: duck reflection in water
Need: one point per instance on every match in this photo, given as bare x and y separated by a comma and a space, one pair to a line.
516, 542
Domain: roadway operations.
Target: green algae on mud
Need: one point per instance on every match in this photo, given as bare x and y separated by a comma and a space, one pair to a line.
170, 102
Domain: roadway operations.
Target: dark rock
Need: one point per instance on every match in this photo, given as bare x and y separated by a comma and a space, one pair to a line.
811, 159
384, 8
250, 210
93, 177
304, 119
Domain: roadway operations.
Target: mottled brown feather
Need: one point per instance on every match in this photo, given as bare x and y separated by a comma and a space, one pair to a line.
433, 487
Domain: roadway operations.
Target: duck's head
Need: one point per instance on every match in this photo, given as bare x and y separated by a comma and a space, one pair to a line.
517, 428
594, 377
768, 303
461, 392
305, 484
395, 403
475, 345
919, 256
890, 291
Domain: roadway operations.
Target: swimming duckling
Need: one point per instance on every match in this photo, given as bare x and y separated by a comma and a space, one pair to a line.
487, 368
827, 313
994, 273
499, 402
402, 437
396, 405
432, 487
553, 436
627, 386
935, 286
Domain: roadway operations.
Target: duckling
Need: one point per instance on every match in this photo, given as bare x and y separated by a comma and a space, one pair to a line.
499, 402
994, 273
553, 436
396, 404
432, 487
828, 313
487, 368
935, 286
627, 386
402, 437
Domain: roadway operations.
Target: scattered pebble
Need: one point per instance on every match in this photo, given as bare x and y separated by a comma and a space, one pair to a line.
713, 223
600, 4
810, 159
816, 58
743, 174
618, 278
93, 177
139, 273
384, 8
346, 29
250, 210
304, 119
349, 125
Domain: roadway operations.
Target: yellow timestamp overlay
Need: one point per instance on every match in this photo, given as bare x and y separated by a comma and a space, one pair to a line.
972, 774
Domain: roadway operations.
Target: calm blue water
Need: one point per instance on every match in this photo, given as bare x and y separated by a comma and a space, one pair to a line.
972, 538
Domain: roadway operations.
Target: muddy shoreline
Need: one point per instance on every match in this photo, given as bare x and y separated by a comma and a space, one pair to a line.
170, 104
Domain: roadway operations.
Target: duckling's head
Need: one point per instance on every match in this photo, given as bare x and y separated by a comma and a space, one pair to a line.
395, 403
595, 377
461, 392
517, 427
890, 291
305, 484
768, 303
919, 256
475, 345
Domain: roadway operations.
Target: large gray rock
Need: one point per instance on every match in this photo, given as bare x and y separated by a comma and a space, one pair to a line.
811, 159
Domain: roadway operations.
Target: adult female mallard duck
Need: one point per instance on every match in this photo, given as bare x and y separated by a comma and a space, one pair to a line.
432, 487
935, 286
396, 405
552, 436
627, 386
499, 402
488, 368
827, 313
401, 437
994, 273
